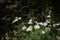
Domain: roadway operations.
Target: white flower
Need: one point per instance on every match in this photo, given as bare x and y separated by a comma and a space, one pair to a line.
14, 20
43, 32
58, 24
29, 28
40, 23
19, 18
30, 22
45, 24
36, 27
24, 27
48, 16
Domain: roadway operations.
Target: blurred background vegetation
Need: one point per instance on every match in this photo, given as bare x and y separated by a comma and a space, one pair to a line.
27, 9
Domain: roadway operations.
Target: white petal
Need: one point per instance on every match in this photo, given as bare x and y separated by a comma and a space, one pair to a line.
30, 22
16, 17
24, 27
29, 29
36, 27
14, 20
48, 16
45, 23
41, 23
58, 24
19, 18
